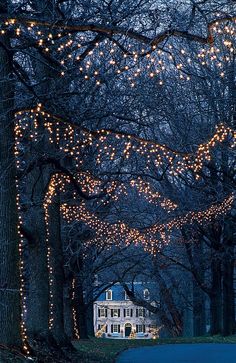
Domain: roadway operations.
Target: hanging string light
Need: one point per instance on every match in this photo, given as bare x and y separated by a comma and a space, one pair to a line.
159, 233
87, 53
72, 139
76, 331
23, 329
56, 185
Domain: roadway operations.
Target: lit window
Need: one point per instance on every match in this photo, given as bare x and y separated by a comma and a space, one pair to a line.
109, 295
146, 294
116, 328
115, 313
140, 328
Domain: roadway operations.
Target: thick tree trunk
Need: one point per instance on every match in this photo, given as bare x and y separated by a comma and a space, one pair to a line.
216, 297
80, 309
199, 313
38, 289
68, 304
228, 281
9, 256
90, 320
57, 272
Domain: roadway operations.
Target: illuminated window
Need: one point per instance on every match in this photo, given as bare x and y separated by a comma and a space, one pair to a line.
115, 313
140, 328
115, 328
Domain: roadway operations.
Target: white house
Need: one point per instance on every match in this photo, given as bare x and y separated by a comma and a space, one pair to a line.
115, 316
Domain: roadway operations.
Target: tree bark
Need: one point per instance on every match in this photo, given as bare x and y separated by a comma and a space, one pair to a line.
9, 255
80, 309
57, 272
216, 297
68, 317
38, 289
90, 320
199, 311
228, 281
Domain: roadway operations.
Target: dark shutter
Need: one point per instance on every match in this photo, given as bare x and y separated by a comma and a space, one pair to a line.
124, 313
144, 330
136, 328
106, 313
99, 327
118, 313
144, 312
111, 328
106, 329
112, 313
99, 313
136, 313
119, 328
131, 312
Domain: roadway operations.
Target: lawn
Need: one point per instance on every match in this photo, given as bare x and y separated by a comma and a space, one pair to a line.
106, 350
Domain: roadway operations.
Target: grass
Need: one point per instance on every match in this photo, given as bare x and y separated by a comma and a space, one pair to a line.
106, 350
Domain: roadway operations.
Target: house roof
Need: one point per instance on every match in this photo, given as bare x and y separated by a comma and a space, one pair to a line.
118, 292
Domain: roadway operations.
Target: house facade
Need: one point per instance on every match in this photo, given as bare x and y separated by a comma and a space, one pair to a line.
115, 316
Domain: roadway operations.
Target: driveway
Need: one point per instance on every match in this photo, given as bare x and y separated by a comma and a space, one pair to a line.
181, 353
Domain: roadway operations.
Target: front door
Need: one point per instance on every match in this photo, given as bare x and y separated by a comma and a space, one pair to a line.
128, 329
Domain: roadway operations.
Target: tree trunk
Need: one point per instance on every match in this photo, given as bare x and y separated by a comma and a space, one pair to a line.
80, 309
199, 311
90, 320
38, 289
216, 297
68, 317
56, 276
9, 255
228, 281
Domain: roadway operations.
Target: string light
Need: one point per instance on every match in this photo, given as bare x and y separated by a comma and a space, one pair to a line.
23, 329
56, 185
134, 64
72, 139
76, 331
149, 59
150, 238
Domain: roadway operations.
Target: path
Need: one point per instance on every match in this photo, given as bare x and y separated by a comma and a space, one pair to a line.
181, 353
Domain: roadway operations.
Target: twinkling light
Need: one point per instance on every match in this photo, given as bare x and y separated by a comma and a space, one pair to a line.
23, 329
71, 139
76, 331
118, 233
57, 184
144, 188
77, 48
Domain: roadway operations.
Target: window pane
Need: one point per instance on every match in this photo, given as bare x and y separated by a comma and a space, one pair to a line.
109, 295
139, 328
116, 328
102, 313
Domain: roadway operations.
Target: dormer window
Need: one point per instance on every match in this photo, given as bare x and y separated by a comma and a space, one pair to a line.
126, 296
146, 294
109, 295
